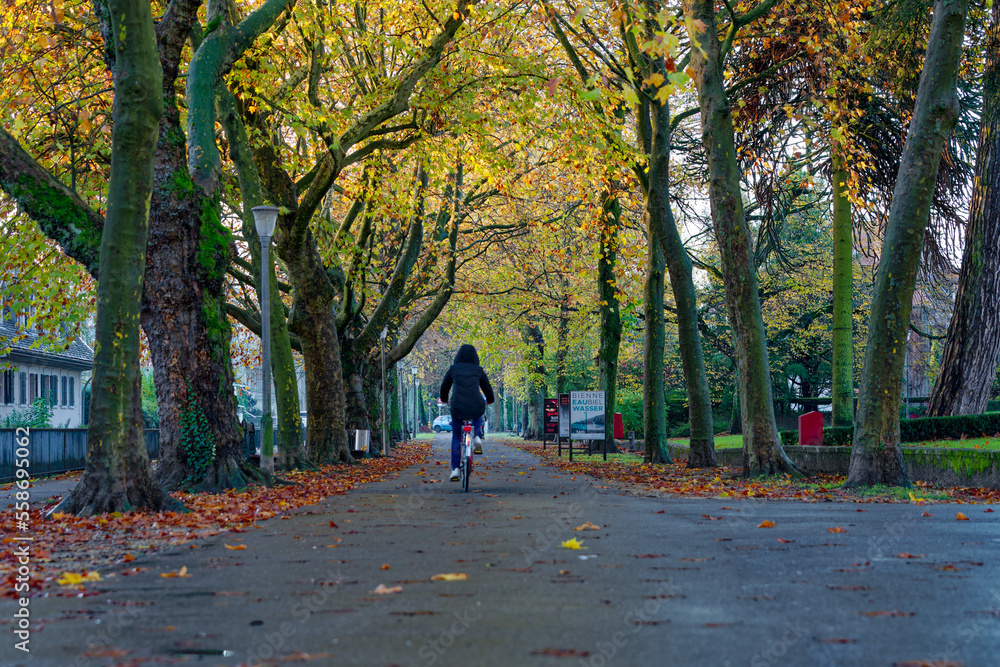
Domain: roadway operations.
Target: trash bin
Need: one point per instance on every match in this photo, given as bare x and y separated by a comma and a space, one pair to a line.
361, 439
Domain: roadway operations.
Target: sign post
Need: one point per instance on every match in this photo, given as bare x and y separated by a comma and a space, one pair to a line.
563, 420
586, 417
551, 422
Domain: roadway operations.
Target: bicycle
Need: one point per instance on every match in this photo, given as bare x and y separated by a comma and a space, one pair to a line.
465, 462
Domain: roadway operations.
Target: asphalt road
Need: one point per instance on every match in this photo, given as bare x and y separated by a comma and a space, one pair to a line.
663, 581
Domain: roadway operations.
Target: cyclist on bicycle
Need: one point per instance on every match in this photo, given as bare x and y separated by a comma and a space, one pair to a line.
464, 379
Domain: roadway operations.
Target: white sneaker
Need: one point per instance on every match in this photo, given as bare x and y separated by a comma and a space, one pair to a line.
478, 442
455, 474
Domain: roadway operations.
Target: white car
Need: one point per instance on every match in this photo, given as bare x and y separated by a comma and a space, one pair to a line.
442, 423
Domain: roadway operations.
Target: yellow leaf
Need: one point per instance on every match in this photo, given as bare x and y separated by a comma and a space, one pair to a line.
587, 526
836, 529
451, 576
182, 573
74, 578
961, 517
238, 547
766, 524
573, 544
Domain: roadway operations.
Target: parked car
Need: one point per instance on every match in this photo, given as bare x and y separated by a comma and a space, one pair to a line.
442, 423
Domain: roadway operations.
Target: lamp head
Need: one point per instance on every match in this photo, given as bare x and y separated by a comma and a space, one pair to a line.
265, 218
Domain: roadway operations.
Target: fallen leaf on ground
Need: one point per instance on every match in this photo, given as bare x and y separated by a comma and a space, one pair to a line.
961, 517
926, 514
909, 555
587, 526
561, 652
836, 529
783, 541
238, 547
183, 572
74, 578
450, 576
385, 566
573, 544
711, 518
382, 589
766, 524
893, 612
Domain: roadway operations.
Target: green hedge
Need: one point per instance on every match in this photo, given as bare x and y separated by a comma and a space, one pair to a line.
915, 430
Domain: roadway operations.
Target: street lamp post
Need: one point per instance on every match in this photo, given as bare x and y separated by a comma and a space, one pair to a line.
265, 218
385, 415
413, 371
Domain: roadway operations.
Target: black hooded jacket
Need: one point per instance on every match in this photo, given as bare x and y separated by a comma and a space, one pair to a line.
468, 378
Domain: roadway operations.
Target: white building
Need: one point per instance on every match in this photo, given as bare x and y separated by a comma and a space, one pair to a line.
34, 373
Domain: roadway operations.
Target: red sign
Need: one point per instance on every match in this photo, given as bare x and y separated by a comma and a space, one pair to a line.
811, 429
551, 416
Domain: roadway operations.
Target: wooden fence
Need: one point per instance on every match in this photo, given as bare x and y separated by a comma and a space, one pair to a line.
56, 450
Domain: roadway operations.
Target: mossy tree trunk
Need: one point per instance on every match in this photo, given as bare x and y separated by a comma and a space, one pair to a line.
189, 252
533, 419
654, 417
762, 452
972, 347
876, 456
843, 296
609, 308
289, 443
118, 476
701, 453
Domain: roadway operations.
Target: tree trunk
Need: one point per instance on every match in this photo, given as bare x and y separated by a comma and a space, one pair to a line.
533, 421
654, 416
972, 348
183, 310
118, 476
876, 456
312, 318
762, 452
842, 391
290, 447
562, 340
611, 323
661, 223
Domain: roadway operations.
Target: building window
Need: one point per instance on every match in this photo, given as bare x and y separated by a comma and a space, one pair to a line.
33, 386
72, 392
8, 387
53, 390
24, 387
63, 402
45, 387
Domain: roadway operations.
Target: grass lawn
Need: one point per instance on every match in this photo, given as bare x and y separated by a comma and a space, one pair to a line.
989, 443
721, 441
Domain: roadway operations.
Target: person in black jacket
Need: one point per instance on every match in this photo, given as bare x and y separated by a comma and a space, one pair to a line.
464, 380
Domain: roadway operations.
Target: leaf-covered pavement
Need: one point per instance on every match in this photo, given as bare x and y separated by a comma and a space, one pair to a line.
535, 565
676, 479
80, 546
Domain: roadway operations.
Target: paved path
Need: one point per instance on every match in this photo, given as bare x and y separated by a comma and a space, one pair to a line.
659, 583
